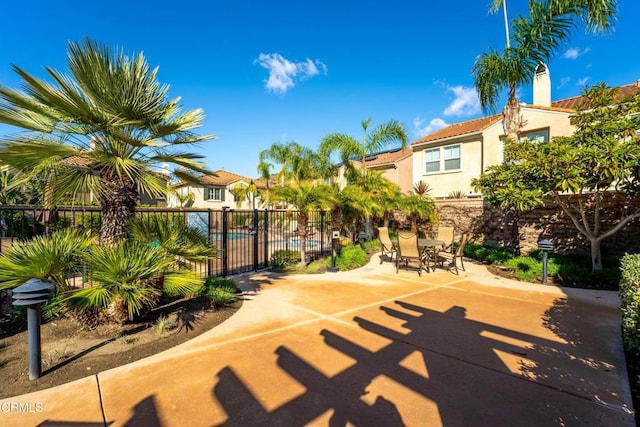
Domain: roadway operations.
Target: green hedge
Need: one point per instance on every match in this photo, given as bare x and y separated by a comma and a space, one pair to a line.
630, 300
350, 257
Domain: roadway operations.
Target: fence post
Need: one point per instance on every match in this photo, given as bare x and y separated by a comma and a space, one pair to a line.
267, 219
210, 260
225, 241
254, 234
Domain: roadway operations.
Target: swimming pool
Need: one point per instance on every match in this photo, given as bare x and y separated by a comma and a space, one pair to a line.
232, 236
294, 243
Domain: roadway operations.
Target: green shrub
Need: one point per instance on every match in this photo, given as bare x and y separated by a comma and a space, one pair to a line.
487, 254
630, 300
529, 268
220, 291
283, 258
372, 246
350, 257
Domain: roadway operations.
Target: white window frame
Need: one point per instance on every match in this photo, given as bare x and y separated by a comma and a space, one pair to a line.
442, 160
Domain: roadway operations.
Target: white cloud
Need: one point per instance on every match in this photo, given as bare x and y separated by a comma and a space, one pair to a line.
284, 74
575, 52
422, 130
564, 81
466, 102
582, 82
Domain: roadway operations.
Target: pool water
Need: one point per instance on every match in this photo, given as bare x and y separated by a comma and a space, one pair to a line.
231, 236
295, 243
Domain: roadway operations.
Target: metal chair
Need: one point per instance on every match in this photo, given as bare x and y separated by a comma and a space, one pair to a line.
454, 255
408, 251
386, 244
446, 235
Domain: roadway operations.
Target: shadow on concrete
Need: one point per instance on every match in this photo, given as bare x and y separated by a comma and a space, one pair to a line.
475, 373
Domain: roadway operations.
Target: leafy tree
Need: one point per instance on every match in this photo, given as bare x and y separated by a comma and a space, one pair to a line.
601, 159
305, 197
535, 40
99, 129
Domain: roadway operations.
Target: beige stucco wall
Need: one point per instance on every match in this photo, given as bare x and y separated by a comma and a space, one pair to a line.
480, 150
443, 183
199, 201
401, 174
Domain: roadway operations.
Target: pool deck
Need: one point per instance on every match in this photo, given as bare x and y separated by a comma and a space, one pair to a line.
371, 347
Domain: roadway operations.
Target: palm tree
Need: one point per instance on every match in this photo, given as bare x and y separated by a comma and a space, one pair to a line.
418, 207
370, 194
372, 142
100, 129
349, 148
245, 191
535, 40
305, 197
283, 154
48, 258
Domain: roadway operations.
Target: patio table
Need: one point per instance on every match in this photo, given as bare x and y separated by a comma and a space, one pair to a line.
430, 248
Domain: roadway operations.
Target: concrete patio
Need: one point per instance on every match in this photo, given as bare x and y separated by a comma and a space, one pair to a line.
371, 347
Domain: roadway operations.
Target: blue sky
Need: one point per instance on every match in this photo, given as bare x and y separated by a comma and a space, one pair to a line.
297, 70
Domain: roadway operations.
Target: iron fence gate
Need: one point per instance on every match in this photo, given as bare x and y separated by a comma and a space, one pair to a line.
245, 239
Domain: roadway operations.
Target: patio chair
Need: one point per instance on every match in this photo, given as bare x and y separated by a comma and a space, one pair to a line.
408, 251
453, 256
386, 244
446, 235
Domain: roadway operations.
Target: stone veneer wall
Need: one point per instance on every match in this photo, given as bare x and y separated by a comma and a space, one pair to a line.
494, 226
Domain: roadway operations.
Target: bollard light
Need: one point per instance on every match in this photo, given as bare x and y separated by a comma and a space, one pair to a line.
545, 246
31, 294
335, 241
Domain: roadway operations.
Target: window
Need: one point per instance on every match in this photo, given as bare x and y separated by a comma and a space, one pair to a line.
214, 193
452, 158
442, 159
432, 160
536, 136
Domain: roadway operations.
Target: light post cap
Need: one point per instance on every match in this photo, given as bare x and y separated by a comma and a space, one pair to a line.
33, 291
545, 245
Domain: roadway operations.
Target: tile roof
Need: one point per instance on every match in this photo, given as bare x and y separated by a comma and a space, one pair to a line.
582, 102
462, 128
388, 158
78, 160
222, 177
477, 125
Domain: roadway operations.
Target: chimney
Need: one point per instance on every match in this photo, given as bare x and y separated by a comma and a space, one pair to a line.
542, 86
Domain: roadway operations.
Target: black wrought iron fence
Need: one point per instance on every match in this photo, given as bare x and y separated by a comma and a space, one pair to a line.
245, 239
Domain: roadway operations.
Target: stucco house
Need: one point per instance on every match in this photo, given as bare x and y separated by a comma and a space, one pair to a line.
213, 192
396, 165
451, 157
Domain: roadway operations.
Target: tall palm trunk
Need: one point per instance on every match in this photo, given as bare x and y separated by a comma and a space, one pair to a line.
303, 222
512, 121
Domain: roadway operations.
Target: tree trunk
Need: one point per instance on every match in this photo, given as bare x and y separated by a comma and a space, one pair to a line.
118, 202
117, 311
303, 222
596, 255
512, 119
368, 226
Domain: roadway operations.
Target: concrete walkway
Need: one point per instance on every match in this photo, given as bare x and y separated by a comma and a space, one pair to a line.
371, 348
